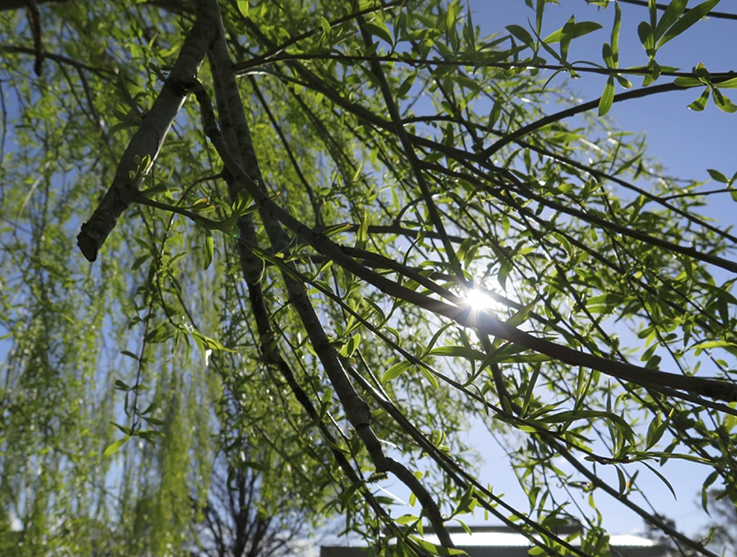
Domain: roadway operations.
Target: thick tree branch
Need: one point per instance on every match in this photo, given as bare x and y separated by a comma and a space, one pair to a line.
484, 322
249, 176
145, 145
357, 411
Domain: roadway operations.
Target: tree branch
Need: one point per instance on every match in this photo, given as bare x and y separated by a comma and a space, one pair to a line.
145, 145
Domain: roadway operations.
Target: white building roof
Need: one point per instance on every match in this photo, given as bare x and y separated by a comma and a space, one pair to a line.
511, 539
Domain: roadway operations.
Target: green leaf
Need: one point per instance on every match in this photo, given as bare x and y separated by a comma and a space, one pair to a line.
458, 352
654, 74
350, 347
615, 34
687, 82
662, 478
571, 31
717, 176
671, 14
496, 112
114, 447
713, 344
379, 29
623, 81
727, 83
573, 415
702, 73
567, 36
655, 431
608, 55
130, 355
645, 32
520, 316
243, 204
362, 234
243, 7
406, 84
208, 249
211, 343
325, 24
395, 371
723, 103
607, 97
700, 104
730, 420
466, 251
710, 479
430, 378
522, 34
434, 549
688, 19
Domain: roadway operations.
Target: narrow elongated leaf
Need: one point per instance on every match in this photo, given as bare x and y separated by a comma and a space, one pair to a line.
722, 102
645, 32
687, 81
702, 73
687, 20
395, 371
522, 34
379, 29
208, 249
727, 84
572, 30
670, 16
700, 104
615, 34
362, 234
434, 549
243, 7
115, 447
607, 97
718, 176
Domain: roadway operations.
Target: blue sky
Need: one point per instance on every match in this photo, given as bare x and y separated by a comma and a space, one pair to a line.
687, 143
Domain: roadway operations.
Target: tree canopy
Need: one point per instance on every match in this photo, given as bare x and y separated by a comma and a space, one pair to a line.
325, 236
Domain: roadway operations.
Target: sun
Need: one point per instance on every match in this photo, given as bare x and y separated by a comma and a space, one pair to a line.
479, 300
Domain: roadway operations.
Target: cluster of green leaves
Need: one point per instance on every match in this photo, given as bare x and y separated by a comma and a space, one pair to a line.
429, 154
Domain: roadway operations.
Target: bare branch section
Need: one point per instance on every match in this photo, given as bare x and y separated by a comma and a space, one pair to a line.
145, 145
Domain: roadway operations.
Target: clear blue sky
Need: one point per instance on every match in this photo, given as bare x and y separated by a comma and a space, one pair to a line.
686, 142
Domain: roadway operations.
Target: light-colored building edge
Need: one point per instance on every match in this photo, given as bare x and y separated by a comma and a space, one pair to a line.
500, 541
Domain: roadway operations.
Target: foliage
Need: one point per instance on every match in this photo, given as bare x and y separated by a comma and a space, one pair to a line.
722, 533
285, 257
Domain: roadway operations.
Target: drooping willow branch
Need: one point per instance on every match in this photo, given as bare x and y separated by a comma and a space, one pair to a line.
485, 323
244, 168
483, 158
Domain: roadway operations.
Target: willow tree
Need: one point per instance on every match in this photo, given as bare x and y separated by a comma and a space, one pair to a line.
289, 209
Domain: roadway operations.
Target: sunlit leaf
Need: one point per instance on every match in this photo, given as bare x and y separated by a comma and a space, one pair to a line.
243, 7
687, 20
700, 104
115, 446
607, 97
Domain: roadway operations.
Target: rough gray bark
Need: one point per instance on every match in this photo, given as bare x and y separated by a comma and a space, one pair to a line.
147, 141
